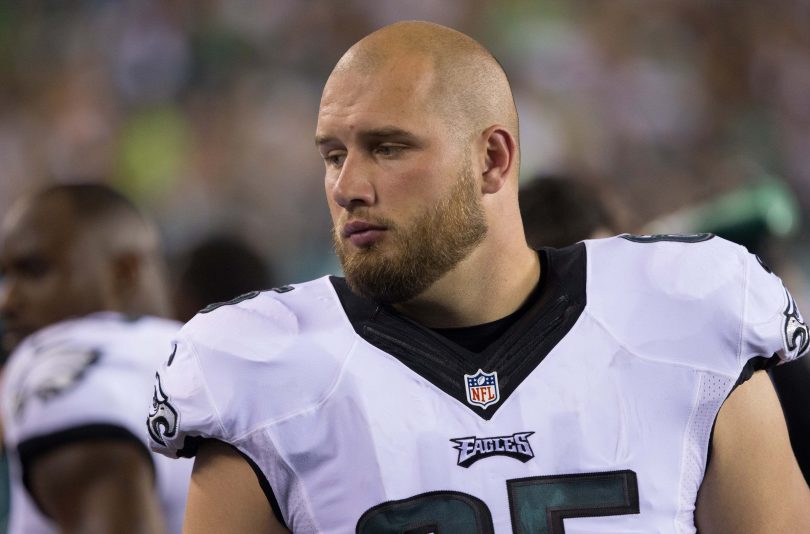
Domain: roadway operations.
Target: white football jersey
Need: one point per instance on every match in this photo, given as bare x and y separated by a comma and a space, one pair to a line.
85, 379
592, 413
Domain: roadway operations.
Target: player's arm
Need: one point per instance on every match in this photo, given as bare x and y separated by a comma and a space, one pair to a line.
98, 486
225, 497
753, 483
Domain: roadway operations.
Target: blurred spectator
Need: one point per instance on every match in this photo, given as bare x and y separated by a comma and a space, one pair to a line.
560, 210
217, 269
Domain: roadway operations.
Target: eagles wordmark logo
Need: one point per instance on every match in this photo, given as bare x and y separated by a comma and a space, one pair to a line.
482, 388
472, 449
162, 420
797, 336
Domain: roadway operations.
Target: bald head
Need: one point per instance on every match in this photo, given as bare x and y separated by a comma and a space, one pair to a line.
71, 250
103, 215
467, 85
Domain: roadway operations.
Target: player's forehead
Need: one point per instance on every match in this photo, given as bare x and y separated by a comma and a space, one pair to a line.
357, 99
43, 228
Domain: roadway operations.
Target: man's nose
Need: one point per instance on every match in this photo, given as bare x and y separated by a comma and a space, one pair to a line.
354, 185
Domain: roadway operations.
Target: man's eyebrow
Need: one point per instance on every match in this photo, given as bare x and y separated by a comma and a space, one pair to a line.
321, 140
385, 132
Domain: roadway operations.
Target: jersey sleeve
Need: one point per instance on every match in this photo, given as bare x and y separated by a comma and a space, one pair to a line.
772, 323
67, 393
182, 412
60, 391
68, 386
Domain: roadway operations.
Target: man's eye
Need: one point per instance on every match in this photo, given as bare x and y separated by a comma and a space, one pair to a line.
34, 268
388, 150
334, 160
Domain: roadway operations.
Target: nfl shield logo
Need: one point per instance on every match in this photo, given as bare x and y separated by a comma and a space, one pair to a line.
482, 388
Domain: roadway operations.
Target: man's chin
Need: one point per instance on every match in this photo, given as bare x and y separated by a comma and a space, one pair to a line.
8, 343
383, 282
11, 339
367, 256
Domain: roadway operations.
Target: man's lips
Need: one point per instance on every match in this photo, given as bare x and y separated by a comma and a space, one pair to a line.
362, 234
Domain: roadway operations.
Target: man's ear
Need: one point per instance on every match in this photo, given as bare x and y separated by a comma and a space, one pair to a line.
500, 158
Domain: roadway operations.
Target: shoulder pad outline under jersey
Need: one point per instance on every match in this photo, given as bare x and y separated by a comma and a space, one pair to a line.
245, 296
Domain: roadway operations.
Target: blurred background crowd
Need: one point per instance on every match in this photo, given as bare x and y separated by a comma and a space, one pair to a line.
692, 114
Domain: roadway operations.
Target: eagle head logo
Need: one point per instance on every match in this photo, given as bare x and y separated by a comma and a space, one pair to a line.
162, 420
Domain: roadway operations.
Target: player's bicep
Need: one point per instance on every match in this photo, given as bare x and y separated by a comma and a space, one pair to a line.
97, 486
753, 483
225, 496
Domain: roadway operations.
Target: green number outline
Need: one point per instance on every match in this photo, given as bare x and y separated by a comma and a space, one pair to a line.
560, 496
592, 486
480, 511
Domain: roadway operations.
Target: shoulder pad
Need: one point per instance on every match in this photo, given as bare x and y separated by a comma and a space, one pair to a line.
285, 347
676, 301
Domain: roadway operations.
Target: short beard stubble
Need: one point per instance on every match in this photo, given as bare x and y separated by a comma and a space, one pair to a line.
420, 254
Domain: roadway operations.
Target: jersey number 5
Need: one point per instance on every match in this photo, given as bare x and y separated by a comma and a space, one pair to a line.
537, 505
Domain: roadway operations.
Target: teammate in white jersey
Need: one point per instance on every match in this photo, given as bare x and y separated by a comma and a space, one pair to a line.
81, 293
458, 381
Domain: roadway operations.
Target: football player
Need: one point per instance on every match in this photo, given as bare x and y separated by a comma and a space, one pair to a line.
457, 380
81, 299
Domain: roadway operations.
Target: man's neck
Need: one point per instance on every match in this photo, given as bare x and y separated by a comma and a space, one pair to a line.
489, 284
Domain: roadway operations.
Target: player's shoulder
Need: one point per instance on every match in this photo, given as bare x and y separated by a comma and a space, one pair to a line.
680, 298
52, 359
675, 265
286, 346
257, 310
75, 369
272, 318
97, 327
104, 331
69, 348
281, 325
633, 247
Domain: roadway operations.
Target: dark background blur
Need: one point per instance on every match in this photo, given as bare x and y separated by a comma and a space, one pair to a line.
204, 111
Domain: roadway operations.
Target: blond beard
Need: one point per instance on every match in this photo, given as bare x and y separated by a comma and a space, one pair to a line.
421, 253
